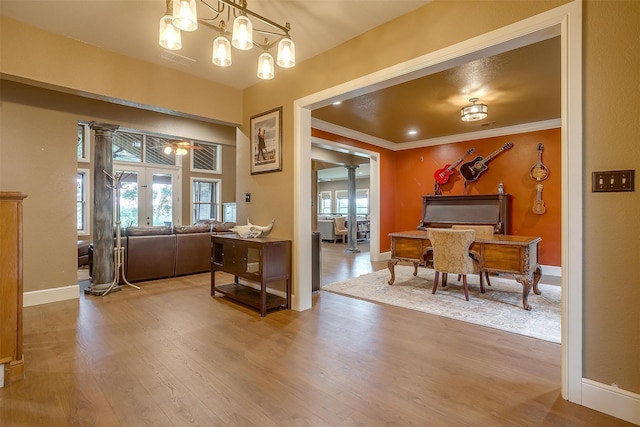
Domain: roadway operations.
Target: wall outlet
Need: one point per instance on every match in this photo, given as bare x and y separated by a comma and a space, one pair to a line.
609, 181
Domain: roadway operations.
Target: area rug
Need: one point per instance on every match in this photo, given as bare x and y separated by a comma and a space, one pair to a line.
500, 307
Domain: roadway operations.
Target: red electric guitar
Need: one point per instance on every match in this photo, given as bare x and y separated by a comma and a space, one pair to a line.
472, 170
442, 175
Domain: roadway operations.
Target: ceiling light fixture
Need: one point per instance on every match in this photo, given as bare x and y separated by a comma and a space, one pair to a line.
181, 15
474, 112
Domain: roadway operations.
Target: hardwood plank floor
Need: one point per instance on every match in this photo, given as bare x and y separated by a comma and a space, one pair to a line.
171, 355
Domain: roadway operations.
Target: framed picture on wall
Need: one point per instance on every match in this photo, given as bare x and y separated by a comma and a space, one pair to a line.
266, 142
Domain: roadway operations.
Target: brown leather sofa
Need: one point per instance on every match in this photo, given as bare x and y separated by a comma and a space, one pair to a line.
160, 252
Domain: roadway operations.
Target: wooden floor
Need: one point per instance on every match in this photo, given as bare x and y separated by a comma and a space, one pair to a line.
170, 355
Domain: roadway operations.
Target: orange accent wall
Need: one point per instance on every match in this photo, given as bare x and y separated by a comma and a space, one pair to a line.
407, 175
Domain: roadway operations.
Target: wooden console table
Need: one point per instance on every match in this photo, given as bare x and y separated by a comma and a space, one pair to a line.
516, 255
11, 286
262, 260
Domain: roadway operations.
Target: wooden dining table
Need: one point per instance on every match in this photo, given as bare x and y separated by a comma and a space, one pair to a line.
501, 253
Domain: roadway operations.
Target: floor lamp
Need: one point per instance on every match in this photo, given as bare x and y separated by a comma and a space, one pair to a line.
118, 250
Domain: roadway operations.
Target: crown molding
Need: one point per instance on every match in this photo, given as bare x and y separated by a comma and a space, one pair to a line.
450, 139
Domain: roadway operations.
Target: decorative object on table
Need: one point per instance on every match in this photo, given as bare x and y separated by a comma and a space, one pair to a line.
266, 142
252, 230
442, 175
538, 204
472, 170
539, 171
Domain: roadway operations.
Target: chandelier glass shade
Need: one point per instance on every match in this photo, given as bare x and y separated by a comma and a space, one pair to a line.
170, 36
185, 15
474, 112
182, 15
221, 54
266, 70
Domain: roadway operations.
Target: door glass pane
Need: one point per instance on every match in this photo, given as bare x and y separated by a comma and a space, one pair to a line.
129, 196
162, 199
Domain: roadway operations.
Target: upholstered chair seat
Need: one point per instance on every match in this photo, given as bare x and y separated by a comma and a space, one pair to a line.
481, 231
451, 255
339, 229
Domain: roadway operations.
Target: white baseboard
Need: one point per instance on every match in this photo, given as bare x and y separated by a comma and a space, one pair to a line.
611, 401
46, 296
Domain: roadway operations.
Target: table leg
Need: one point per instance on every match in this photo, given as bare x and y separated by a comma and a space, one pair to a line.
213, 282
537, 274
391, 265
415, 268
526, 281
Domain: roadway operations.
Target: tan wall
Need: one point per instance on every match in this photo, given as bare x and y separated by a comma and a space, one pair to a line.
38, 157
612, 230
49, 60
611, 55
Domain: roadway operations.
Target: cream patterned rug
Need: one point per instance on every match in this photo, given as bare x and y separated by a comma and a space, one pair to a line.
500, 307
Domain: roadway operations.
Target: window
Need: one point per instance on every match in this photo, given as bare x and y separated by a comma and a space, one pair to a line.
207, 158
205, 199
127, 147
324, 202
362, 202
82, 202
82, 148
154, 151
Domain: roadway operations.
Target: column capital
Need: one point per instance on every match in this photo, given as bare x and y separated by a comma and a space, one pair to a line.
103, 127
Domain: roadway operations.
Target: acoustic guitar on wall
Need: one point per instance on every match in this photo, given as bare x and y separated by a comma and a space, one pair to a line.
442, 175
538, 204
473, 169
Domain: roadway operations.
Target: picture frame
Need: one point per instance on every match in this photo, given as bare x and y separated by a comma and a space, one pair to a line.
266, 142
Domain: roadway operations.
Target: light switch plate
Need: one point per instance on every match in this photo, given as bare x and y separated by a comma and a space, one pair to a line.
610, 181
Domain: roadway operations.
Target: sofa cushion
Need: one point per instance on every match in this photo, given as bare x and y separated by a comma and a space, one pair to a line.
223, 226
195, 228
148, 231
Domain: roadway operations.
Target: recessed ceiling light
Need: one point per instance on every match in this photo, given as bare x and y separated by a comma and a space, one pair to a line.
337, 103
413, 132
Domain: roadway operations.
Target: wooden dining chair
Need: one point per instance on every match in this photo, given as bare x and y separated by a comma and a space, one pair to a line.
451, 255
481, 231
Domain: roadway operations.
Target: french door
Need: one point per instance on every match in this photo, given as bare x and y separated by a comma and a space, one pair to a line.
148, 195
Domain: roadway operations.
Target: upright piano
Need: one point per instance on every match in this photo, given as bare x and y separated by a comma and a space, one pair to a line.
442, 211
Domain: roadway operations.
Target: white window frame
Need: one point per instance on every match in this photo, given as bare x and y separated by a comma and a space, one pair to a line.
86, 226
86, 140
217, 168
218, 204
324, 195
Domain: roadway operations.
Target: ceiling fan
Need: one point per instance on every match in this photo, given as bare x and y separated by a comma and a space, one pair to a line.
179, 147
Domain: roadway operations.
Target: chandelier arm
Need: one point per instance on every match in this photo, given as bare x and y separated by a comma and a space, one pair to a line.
208, 24
285, 29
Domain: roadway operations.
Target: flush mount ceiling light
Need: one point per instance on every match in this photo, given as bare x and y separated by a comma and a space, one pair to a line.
181, 15
473, 112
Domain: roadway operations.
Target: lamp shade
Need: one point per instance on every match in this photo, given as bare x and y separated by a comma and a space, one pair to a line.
286, 53
474, 112
242, 36
185, 15
265, 66
221, 53
169, 37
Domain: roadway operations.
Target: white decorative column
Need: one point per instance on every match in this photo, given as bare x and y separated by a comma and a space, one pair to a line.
103, 256
352, 223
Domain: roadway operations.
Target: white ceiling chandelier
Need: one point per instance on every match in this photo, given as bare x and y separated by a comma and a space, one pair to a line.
181, 15
474, 112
